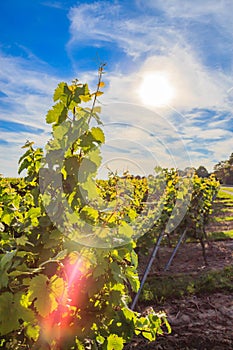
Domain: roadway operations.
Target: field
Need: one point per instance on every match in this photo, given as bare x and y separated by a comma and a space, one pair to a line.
197, 298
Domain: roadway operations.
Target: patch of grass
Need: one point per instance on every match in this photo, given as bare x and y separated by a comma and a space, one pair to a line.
220, 235
224, 218
229, 189
160, 288
224, 195
216, 281
227, 209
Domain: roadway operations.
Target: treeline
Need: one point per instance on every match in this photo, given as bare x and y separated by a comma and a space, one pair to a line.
224, 171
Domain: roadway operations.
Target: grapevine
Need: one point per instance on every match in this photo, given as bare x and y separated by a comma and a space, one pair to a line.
59, 290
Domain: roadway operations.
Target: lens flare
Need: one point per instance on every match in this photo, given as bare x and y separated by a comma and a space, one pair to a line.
62, 322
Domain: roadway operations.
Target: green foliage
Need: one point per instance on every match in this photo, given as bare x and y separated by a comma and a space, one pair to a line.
67, 261
228, 189
161, 288
202, 171
12, 312
224, 171
186, 204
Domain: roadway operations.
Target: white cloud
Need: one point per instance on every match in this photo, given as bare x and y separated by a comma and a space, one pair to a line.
221, 150
28, 90
27, 97
188, 9
209, 12
102, 22
153, 45
54, 4
142, 135
194, 86
165, 46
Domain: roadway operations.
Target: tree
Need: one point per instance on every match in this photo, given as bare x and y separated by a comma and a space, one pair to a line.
224, 171
231, 159
202, 171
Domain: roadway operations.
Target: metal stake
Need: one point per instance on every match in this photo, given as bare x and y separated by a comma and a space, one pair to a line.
175, 250
147, 270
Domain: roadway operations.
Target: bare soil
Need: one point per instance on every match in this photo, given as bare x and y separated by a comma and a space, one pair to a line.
198, 323
203, 322
189, 258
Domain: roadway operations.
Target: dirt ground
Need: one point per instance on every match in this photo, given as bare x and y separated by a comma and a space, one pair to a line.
189, 258
198, 323
203, 322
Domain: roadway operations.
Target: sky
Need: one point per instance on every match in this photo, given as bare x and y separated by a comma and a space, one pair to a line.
168, 93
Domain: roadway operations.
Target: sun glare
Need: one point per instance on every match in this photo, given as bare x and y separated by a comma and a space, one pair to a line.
156, 90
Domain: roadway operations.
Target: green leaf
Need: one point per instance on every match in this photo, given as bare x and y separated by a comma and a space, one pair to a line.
58, 288
8, 321
169, 329
126, 230
116, 271
2, 342
82, 93
25, 155
7, 218
57, 114
89, 214
62, 92
33, 332
4, 278
87, 168
134, 258
61, 130
80, 346
129, 314
33, 213
85, 98
6, 260
100, 270
95, 157
23, 240
132, 276
11, 311
87, 141
98, 135
24, 165
90, 187
148, 335
39, 290
114, 342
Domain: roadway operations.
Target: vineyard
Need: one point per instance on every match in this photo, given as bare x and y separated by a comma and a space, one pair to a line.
196, 297
73, 248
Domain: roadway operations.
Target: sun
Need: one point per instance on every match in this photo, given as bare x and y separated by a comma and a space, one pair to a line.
156, 90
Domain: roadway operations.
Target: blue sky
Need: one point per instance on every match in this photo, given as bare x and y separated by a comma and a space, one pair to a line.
189, 44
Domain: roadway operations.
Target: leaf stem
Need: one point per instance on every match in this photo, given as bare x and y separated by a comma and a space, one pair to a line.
100, 74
